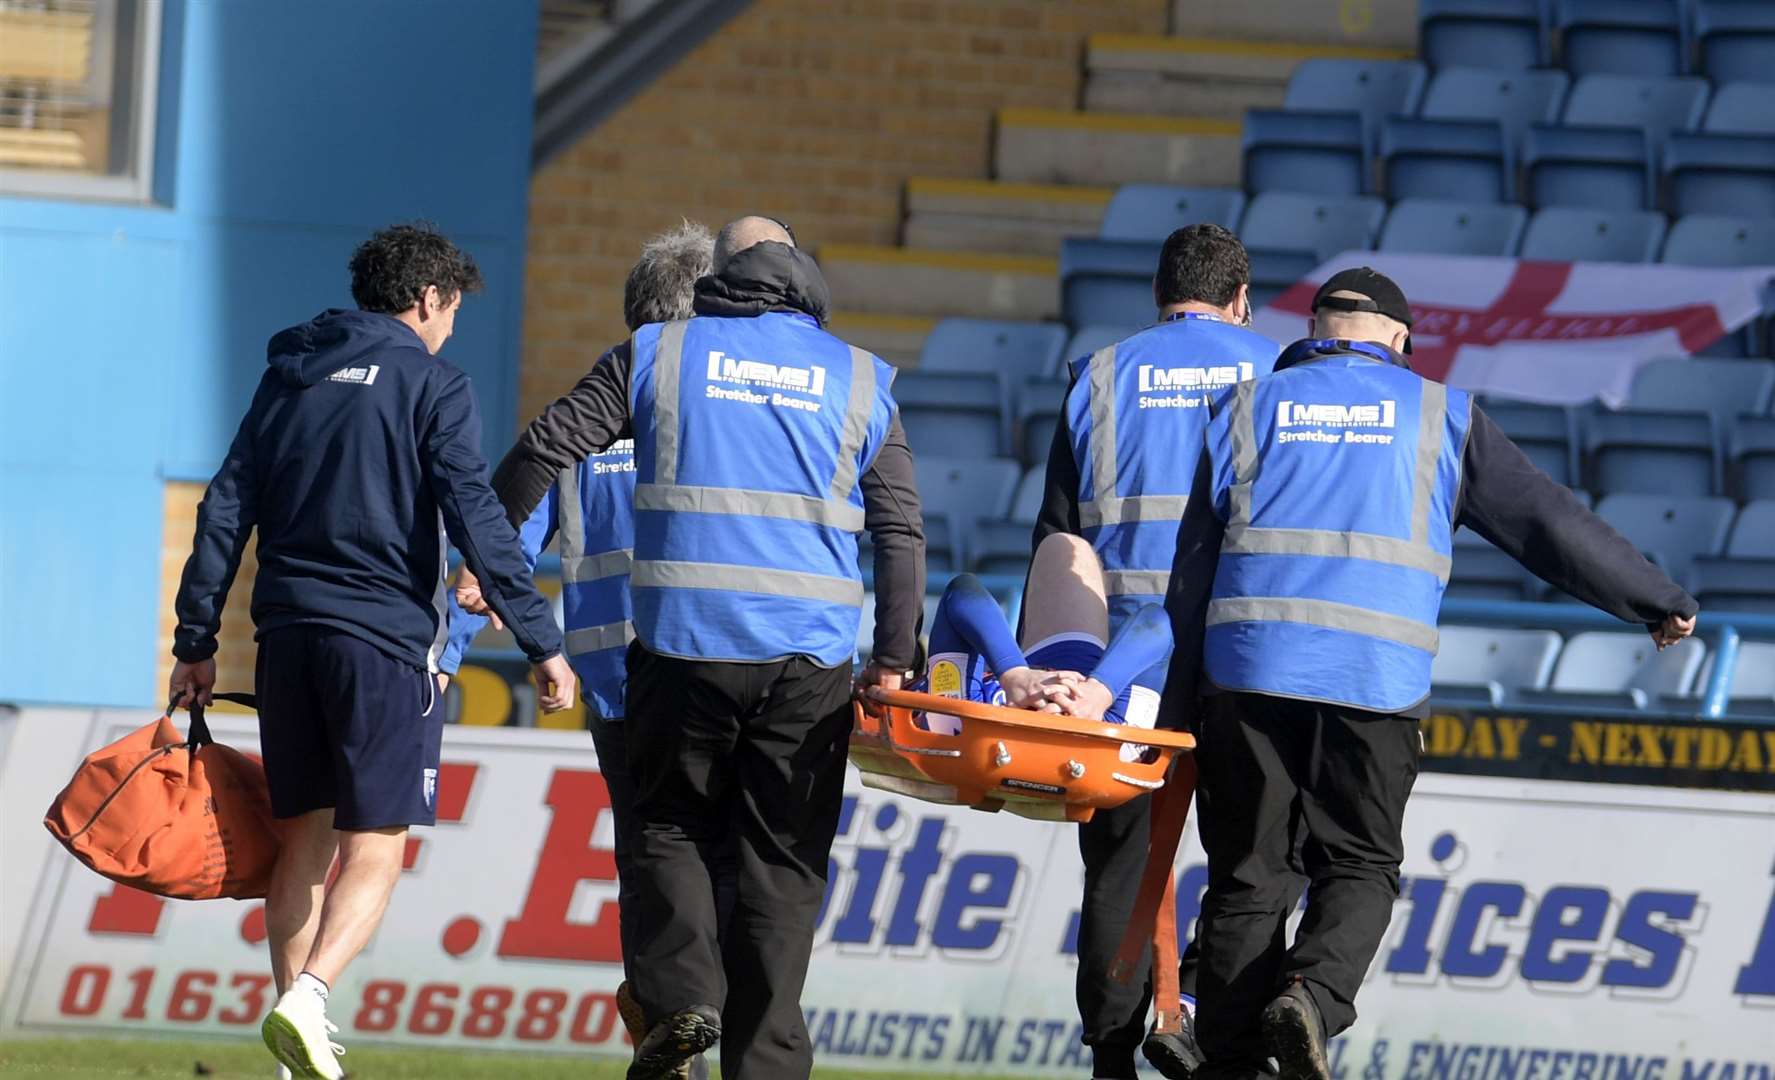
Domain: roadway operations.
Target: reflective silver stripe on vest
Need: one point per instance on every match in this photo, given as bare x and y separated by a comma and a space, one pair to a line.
1326, 613
666, 494
856, 428
689, 499
570, 527
729, 577
1136, 582
1103, 509
589, 639
1416, 553
1133, 508
668, 360
595, 567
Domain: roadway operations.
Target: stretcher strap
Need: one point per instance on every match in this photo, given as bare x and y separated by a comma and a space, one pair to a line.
1169, 812
198, 736
1165, 978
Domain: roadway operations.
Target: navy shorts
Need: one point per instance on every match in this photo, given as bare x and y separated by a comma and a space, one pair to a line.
344, 725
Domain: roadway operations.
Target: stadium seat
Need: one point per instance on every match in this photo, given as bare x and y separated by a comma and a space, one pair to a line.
999, 547
1751, 447
1654, 106
1453, 228
1570, 234
1482, 656
1544, 432
1620, 37
1603, 667
1504, 34
1012, 350
1461, 160
1481, 571
866, 625
1736, 40
1724, 388
1151, 212
1720, 174
963, 492
952, 414
1652, 453
1742, 108
1088, 339
1595, 168
1718, 240
1375, 89
1107, 281
1753, 534
1026, 502
1677, 529
1754, 674
1318, 153
1728, 584
1288, 234
1514, 99
1038, 414
942, 545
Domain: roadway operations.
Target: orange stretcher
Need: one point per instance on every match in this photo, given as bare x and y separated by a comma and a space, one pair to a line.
1051, 768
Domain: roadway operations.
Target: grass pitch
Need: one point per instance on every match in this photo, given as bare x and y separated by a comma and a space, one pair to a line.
150, 1059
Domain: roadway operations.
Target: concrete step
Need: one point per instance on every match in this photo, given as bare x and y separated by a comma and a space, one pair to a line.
1051, 146
1388, 24
910, 281
1204, 77
895, 338
991, 215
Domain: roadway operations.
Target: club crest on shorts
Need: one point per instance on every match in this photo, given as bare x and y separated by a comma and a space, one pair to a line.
430, 782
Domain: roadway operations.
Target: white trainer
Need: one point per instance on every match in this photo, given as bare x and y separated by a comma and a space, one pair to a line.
296, 1032
285, 1074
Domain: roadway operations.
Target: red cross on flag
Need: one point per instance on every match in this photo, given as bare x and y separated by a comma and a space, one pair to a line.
1544, 331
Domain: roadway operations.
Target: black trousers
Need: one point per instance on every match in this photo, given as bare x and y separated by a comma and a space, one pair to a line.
1294, 793
1113, 846
746, 759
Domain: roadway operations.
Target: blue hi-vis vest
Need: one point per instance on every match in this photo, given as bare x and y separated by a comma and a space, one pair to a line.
750, 437
594, 504
1136, 412
1337, 479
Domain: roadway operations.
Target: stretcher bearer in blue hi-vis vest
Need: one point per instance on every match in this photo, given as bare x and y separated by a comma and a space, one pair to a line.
1306, 586
590, 512
1119, 476
763, 447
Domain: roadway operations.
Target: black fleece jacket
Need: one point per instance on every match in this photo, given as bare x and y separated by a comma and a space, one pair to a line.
595, 413
1503, 497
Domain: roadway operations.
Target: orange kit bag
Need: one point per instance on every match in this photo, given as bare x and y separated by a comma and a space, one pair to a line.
186, 818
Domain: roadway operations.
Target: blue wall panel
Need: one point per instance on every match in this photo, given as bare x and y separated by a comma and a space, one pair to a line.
131, 337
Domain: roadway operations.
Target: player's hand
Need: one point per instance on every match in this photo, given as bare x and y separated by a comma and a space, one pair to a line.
192, 683
1672, 630
886, 678
1023, 687
556, 684
1086, 699
443, 683
469, 598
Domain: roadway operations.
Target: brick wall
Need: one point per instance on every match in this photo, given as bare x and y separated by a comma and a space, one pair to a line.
815, 111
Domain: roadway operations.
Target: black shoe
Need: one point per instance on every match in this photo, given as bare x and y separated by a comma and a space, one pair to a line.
674, 1041
1176, 1056
1295, 1033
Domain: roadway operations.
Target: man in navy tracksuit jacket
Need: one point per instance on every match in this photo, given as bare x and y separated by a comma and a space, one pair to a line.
359, 453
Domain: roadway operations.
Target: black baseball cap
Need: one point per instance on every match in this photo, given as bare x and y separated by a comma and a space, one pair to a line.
1376, 292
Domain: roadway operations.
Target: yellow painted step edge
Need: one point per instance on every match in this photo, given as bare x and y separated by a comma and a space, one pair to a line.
984, 261
1156, 43
1104, 121
1002, 189
909, 324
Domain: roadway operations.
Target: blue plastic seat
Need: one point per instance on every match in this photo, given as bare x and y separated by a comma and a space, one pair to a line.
1442, 227
1742, 108
1751, 447
1038, 415
1753, 534
1570, 234
1107, 281
1654, 106
1288, 234
1600, 664
1012, 350
1088, 339
1482, 571
1651, 453
1505, 34
1483, 656
1621, 37
1375, 89
1597, 168
1151, 212
952, 414
1514, 99
1719, 240
1720, 174
1026, 502
999, 547
1461, 160
1728, 584
1318, 153
1724, 388
1543, 432
1677, 528
964, 491
1736, 40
